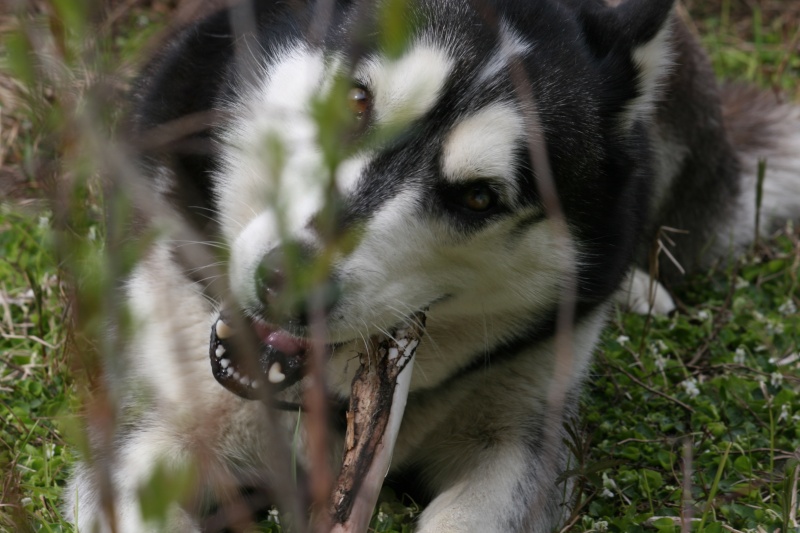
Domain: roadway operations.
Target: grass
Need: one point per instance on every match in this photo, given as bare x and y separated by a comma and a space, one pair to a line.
35, 390
692, 417
696, 415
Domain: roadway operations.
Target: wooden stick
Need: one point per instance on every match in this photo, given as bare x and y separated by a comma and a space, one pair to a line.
377, 402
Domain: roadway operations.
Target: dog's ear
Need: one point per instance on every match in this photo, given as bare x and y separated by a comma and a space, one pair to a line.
628, 24
632, 38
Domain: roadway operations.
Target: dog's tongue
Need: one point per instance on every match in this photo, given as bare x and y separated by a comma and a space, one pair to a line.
279, 339
275, 355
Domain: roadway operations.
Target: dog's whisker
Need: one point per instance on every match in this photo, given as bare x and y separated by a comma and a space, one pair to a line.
204, 267
215, 214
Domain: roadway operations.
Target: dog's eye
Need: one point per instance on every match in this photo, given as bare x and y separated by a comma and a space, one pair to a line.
360, 101
479, 198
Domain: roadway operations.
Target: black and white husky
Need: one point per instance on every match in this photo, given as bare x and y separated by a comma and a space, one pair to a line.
427, 190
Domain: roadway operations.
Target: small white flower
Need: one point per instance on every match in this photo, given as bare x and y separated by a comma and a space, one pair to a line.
658, 347
758, 316
739, 355
623, 339
741, 283
606, 494
608, 482
784, 412
773, 326
44, 222
661, 362
788, 307
25, 501
775, 379
382, 517
601, 526
690, 386
703, 314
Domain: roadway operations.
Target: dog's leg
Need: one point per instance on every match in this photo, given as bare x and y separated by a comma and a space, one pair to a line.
134, 466
510, 490
492, 445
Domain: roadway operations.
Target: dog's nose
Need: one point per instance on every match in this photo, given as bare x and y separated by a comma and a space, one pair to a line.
293, 286
271, 277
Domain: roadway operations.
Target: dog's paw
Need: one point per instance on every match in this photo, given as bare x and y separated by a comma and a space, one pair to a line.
447, 516
642, 295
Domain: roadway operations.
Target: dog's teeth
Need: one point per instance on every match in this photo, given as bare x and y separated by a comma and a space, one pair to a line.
236, 375
224, 363
223, 330
245, 381
220, 351
229, 371
255, 384
275, 375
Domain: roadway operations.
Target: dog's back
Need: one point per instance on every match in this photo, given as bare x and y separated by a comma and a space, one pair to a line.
708, 140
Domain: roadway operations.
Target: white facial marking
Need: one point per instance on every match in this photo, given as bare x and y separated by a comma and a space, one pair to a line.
654, 60
511, 45
483, 145
223, 330
275, 375
349, 172
270, 158
405, 89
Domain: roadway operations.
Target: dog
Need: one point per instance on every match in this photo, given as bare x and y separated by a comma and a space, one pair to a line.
509, 163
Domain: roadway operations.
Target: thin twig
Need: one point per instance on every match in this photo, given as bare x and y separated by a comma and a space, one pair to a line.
654, 391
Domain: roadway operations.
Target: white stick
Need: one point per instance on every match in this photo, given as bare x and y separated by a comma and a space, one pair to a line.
371, 484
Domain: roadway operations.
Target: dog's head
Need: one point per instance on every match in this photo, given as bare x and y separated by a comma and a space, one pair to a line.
358, 182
